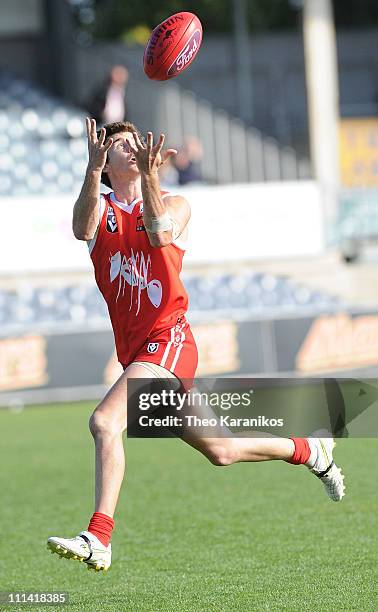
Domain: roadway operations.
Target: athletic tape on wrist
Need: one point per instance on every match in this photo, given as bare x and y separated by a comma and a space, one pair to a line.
160, 224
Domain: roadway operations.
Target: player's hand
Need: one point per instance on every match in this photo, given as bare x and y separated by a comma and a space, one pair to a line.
97, 150
149, 157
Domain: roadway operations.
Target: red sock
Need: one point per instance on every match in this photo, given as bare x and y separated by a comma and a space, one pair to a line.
101, 526
302, 451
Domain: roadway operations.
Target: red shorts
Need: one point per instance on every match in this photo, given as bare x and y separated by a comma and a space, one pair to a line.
173, 349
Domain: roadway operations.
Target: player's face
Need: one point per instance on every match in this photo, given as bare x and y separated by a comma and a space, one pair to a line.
120, 158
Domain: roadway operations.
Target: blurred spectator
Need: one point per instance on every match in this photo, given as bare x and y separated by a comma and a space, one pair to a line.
108, 103
187, 161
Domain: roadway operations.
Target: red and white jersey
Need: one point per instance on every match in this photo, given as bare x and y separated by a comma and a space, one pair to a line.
141, 284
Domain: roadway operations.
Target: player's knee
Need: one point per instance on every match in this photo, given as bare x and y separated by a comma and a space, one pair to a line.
101, 424
222, 453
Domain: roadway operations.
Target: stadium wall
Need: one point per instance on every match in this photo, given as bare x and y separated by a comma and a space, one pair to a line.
268, 220
38, 366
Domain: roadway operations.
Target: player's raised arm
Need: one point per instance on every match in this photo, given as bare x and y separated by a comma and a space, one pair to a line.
86, 210
164, 220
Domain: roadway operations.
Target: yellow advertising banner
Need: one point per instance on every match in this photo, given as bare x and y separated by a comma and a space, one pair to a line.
23, 362
358, 139
336, 343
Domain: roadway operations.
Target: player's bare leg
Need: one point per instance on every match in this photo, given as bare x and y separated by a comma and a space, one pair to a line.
226, 451
314, 452
226, 448
107, 425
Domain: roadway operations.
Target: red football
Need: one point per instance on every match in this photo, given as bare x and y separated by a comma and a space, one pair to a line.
172, 46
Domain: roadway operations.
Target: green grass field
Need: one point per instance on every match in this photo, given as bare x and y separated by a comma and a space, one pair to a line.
189, 536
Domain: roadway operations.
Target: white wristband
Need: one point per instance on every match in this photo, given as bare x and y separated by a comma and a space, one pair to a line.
160, 224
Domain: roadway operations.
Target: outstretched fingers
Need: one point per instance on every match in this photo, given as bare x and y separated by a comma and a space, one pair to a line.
167, 154
150, 155
88, 126
108, 144
137, 141
101, 139
149, 142
159, 145
132, 147
93, 133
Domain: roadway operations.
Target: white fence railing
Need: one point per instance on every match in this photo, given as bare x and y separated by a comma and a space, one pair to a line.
233, 152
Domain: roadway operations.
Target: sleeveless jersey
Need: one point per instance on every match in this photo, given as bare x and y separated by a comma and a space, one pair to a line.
140, 283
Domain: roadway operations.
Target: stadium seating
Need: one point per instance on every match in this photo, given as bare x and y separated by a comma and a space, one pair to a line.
42, 141
244, 294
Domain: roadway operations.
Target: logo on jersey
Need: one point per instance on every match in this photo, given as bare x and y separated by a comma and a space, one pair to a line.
179, 334
136, 272
139, 224
152, 347
111, 221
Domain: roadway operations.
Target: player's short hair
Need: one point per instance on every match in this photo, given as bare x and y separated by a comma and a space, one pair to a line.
116, 128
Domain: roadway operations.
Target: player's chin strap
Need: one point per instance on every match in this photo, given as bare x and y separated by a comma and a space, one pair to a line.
87, 540
321, 474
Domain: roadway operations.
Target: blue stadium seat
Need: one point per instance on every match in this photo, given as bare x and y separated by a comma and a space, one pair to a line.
31, 119
248, 293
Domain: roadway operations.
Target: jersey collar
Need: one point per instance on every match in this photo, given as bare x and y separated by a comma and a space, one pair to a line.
125, 207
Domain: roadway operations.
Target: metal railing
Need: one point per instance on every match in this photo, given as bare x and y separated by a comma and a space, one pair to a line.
232, 151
